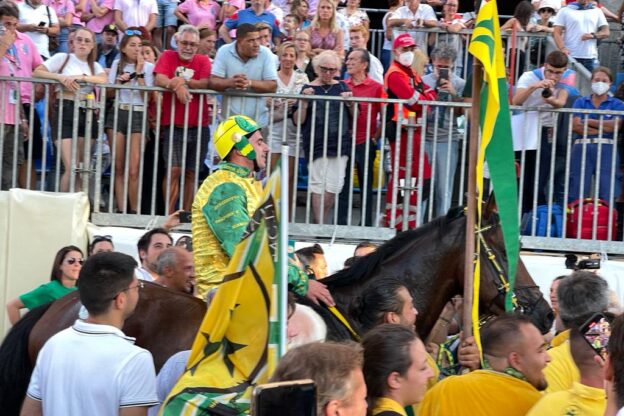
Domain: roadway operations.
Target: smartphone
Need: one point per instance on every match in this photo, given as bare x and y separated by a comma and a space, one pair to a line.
596, 332
443, 74
287, 398
185, 217
42, 24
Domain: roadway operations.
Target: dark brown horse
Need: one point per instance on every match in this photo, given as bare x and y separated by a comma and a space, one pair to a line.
430, 261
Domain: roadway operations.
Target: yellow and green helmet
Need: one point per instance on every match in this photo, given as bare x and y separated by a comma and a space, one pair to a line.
233, 132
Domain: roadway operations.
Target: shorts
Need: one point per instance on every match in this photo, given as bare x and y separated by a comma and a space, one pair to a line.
122, 121
192, 145
67, 122
165, 13
327, 174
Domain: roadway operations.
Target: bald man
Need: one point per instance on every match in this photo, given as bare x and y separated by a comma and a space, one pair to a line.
176, 270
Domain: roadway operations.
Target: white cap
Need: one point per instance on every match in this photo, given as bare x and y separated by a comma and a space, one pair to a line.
553, 4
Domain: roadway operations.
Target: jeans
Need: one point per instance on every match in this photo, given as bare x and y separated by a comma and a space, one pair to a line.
588, 63
444, 165
63, 38
366, 189
592, 166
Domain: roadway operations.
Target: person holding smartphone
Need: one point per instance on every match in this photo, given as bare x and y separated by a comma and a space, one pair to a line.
443, 137
38, 21
586, 397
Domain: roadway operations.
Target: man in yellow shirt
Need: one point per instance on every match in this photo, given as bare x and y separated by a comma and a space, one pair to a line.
580, 296
585, 398
515, 355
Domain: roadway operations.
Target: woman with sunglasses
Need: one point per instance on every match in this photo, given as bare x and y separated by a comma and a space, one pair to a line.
63, 278
130, 69
76, 72
327, 156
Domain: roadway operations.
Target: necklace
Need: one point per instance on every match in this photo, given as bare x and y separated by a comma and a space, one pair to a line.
326, 90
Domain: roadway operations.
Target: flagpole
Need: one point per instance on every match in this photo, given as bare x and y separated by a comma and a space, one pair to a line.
283, 248
477, 79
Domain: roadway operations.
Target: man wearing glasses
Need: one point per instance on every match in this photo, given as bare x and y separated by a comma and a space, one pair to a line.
93, 368
180, 72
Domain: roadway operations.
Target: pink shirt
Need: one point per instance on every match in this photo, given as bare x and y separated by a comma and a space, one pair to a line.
19, 61
97, 23
136, 12
61, 7
198, 13
77, 15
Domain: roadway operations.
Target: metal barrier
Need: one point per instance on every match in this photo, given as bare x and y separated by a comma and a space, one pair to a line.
405, 178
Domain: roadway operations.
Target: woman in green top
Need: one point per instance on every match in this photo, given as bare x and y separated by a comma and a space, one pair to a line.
395, 369
63, 278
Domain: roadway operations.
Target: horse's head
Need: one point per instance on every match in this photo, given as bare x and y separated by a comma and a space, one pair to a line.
528, 297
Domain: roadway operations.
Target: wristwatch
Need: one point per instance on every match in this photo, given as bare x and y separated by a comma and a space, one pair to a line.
140, 76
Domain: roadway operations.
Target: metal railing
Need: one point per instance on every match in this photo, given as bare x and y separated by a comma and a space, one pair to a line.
406, 177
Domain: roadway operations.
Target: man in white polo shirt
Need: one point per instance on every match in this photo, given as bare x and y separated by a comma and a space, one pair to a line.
412, 16
93, 368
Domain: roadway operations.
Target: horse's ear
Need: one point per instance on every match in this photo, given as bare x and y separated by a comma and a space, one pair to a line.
489, 206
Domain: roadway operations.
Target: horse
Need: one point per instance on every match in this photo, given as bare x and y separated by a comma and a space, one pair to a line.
430, 261
164, 322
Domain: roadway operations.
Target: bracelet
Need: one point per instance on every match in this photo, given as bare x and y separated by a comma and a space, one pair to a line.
443, 319
140, 76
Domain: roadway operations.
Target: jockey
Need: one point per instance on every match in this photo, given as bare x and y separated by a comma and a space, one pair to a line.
225, 203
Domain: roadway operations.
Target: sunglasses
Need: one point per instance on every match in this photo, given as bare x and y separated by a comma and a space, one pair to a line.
132, 32
83, 40
72, 260
547, 9
328, 70
98, 238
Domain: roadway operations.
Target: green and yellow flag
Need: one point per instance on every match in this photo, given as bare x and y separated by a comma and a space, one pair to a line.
234, 348
496, 145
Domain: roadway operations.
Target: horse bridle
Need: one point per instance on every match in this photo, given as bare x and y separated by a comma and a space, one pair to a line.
503, 287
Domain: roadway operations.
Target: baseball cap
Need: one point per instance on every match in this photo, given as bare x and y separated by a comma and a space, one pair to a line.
403, 40
110, 28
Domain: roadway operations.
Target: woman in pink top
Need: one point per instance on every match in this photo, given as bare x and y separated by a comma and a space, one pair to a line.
324, 31
97, 14
200, 13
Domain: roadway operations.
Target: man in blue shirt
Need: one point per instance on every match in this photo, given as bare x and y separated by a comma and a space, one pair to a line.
245, 65
254, 14
594, 137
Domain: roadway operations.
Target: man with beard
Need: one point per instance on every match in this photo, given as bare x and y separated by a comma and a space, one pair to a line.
180, 71
514, 353
93, 367
245, 65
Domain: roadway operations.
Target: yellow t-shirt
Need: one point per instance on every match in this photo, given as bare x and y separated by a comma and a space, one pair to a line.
560, 338
580, 400
482, 393
561, 372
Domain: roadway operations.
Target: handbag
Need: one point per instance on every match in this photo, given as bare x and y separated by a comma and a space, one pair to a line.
53, 40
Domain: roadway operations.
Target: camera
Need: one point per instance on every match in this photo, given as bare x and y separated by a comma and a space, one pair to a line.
547, 92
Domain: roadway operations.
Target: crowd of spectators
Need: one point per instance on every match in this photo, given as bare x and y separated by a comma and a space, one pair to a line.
302, 47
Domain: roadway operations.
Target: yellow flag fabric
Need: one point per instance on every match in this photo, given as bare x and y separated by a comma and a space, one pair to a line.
579, 400
232, 351
496, 146
482, 393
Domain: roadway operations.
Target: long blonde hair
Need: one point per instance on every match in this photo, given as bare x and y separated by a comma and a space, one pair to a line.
333, 26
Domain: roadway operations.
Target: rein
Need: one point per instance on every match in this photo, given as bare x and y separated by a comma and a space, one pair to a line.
338, 315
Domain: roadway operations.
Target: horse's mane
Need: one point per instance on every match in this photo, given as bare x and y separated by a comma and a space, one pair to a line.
365, 266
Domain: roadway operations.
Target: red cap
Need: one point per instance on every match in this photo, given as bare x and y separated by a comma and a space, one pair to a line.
403, 40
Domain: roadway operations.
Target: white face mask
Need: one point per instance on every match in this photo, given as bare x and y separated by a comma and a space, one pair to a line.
406, 58
600, 88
